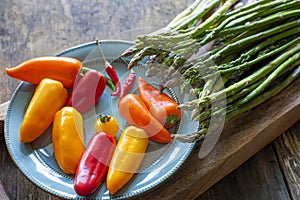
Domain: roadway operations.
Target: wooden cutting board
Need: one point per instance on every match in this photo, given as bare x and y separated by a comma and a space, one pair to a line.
241, 138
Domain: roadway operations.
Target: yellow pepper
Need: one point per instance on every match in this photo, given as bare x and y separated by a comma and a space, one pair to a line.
49, 96
127, 158
107, 124
68, 138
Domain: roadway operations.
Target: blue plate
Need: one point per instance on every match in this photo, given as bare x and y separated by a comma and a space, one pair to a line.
37, 162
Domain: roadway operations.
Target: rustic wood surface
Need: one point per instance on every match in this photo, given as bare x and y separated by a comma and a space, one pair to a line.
288, 148
36, 28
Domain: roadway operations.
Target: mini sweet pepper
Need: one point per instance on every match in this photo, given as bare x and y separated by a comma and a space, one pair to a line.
48, 98
63, 69
68, 138
127, 158
87, 91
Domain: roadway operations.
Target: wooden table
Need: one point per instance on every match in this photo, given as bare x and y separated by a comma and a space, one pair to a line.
37, 28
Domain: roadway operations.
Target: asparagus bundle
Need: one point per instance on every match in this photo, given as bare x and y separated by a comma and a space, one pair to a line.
253, 54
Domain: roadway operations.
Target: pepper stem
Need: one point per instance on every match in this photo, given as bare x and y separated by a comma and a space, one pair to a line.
83, 70
104, 118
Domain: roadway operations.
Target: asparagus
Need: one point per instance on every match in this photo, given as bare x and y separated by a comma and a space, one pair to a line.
271, 8
167, 41
246, 65
184, 13
236, 71
142, 54
256, 6
276, 73
254, 92
260, 72
236, 87
213, 19
269, 41
202, 9
250, 60
277, 17
237, 46
244, 15
200, 135
245, 91
265, 96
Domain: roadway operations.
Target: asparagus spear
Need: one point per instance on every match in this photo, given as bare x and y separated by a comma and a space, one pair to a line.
266, 10
256, 6
244, 14
276, 73
252, 62
272, 19
253, 92
182, 22
200, 135
233, 89
238, 46
185, 13
213, 19
265, 96
257, 48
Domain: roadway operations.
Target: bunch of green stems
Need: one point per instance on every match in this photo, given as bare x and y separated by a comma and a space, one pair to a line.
244, 56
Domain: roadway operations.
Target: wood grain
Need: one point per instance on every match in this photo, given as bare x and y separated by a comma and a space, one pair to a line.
3, 195
37, 28
3, 109
252, 180
239, 142
288, 150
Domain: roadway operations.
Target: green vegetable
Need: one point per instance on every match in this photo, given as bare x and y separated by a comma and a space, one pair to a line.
253, 52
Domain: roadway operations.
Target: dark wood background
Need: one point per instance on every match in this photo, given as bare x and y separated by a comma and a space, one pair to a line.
37, 28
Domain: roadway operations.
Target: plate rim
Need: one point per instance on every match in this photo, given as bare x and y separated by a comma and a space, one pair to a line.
46, 188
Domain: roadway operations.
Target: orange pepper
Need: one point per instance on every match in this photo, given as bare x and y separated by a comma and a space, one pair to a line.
48, 98
160, 105
68, 139
127, 158
63, 69
135, 112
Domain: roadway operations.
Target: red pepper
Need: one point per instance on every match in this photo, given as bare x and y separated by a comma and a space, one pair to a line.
111, 71
87, 91
114, 77
128, 84
94, 163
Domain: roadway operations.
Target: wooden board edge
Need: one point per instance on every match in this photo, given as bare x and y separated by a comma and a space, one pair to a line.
251, 148
3, 110
240, 140
230, 153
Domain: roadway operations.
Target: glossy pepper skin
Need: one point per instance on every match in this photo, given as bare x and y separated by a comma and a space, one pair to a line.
160, 105
107, 124
68, 138
87, 91
94, 163
63, 69
135, 112
127, 158
128, 84
111, 71
48, 98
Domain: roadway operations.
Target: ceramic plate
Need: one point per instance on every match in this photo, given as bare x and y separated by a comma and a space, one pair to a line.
37, 162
